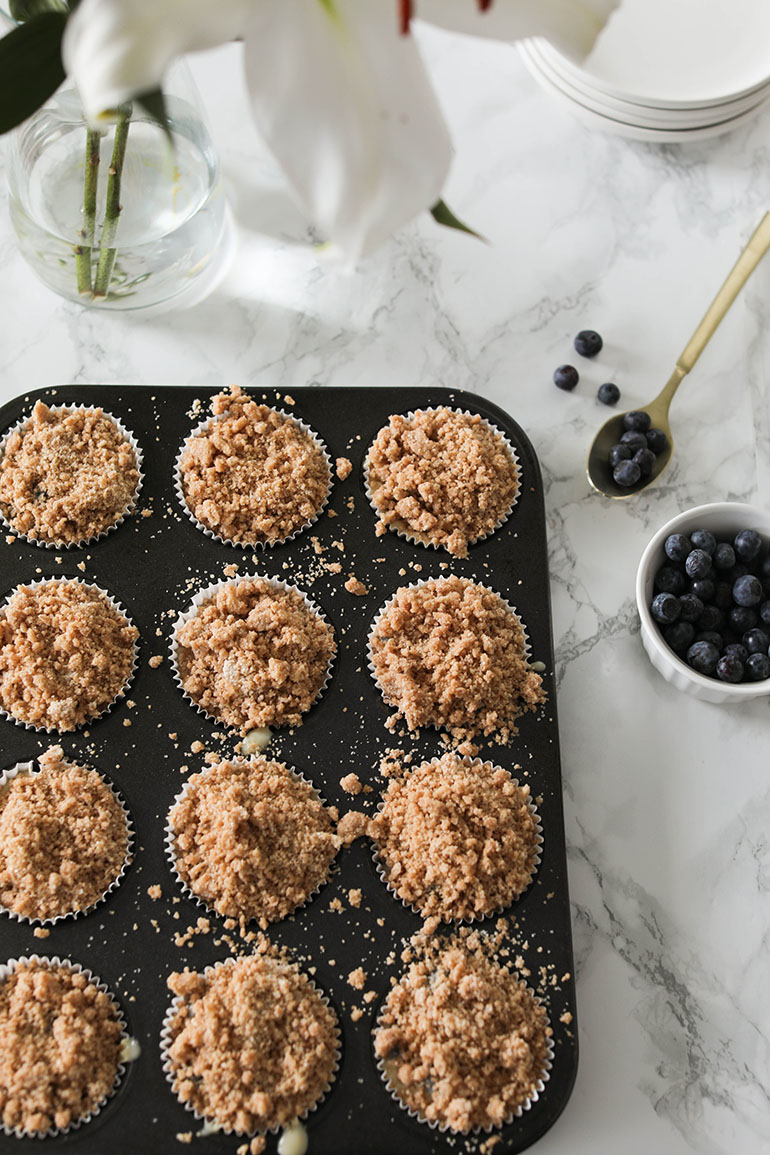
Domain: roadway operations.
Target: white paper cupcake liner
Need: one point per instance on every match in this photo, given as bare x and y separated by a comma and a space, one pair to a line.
170, 837
206, 595
166, 1041
86, 541
203, 427
444, 1128
495, 912
415, 537
29, 768
119, 608
414, 585
53, 962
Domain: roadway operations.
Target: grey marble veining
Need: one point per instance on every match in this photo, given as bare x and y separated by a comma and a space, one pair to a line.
667, 799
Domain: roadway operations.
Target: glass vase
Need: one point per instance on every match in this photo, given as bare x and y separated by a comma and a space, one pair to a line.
124, 218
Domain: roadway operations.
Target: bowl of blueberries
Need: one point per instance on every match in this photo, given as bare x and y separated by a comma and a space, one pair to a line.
703, 593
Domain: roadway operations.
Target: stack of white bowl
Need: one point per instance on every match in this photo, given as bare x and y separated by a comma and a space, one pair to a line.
666, 70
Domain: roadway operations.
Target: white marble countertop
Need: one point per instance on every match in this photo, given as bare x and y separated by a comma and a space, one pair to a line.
667, 799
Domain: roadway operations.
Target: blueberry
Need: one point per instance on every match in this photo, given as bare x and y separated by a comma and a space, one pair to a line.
634, 439
712, 618
757, 667
702, 539
764, 567
702, 588
742, 618
747, 591
619, 453
670, 580
690, 607
713, 637
756, 641
665, 608
723, 594
723, 556
608, 394
626, 473
679, 636
645, 459
638, 420
764, 613
703, 657
729, 668
588, 343
747, 544
737, 650
677, 546
698, 564
657, 440
566, 377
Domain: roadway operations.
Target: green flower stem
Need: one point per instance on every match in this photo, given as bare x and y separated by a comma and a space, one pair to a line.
83, 250
107, 250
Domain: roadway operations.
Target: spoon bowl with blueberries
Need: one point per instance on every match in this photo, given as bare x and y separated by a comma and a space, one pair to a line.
632, 449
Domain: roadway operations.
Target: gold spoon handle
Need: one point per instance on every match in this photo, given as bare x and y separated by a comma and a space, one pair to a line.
736, 279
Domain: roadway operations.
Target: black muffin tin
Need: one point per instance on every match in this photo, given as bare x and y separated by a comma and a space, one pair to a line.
153, 565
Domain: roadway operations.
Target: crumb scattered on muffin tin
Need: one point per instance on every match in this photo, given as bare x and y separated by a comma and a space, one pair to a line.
67, 475
252, 474
60, 1039
63, 839
450, 653
457, 838
251, 839
442, 477
463, 1040
66, 653
254, 655
253, 1044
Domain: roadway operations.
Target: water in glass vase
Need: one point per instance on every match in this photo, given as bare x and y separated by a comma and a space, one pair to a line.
112, 227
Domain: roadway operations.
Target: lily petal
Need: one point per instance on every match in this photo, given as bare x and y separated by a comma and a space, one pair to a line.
570, 25
344, 102
117, 49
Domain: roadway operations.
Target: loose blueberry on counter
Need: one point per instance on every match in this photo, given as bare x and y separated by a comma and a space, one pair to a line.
608, 394
703, 657
729, 668
757, 667
657, 440
747, 544
747, 590
566, 377
677, 546
637, 420
587, 343
626, 473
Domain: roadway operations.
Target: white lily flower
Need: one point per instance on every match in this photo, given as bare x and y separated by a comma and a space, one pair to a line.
338, 88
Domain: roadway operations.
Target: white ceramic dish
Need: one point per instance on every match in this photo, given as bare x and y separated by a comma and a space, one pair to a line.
724, 519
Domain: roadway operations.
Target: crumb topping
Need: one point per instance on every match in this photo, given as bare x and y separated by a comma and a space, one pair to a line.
253, 1043
66, 475
66, 653
450, 653
252, 474
251, 839
255, 655
442, 477
63, 839
343, 467
457, 838
463, 1040
60, 1040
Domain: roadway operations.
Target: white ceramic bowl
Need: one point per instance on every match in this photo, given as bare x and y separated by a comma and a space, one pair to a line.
724, 519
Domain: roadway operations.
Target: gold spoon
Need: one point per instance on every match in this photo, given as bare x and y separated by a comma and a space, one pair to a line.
598, 467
